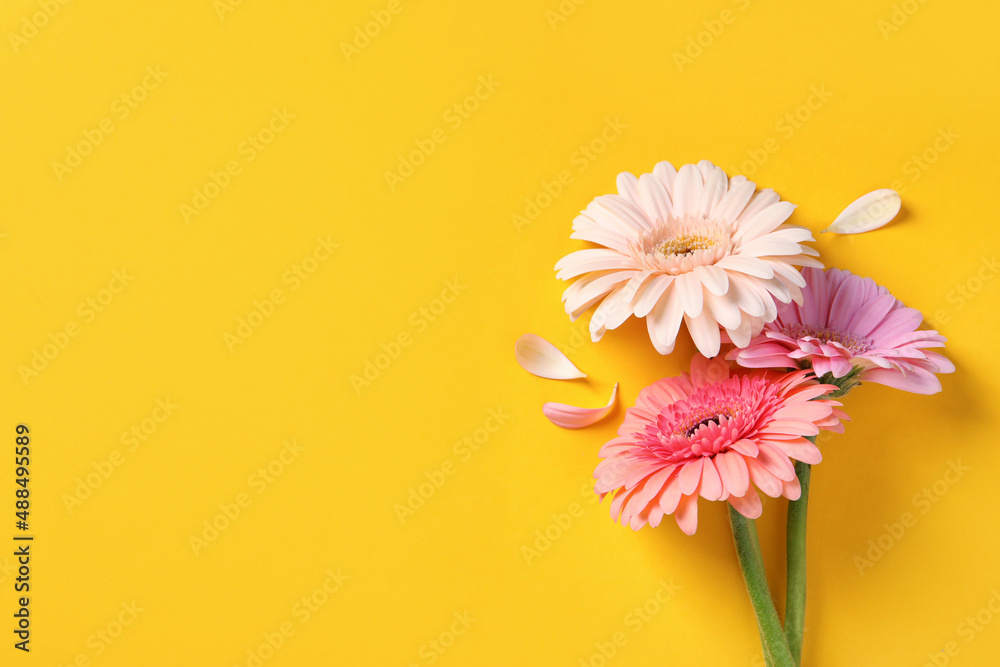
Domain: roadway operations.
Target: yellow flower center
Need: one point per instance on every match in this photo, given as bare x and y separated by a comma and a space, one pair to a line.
684, 244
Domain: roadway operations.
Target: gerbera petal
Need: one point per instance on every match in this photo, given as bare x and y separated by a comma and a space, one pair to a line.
705, 333
627, 185
653, 195
687, 514
649, 294
592, 259
746, 264
715, 279
686, 193
867, 212
748, 505
540, 357
664, 323
689, 290
919, 381
766, 221
733, 203
690, 476
711, 482
763, 479
570, 416
733, 471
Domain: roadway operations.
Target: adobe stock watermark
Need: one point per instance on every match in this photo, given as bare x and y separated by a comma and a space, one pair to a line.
562, 12
247, 151
7, 569
34, 22
420, 321
224, 8
132, 439
635, 620
302, 611
87, 310
105, 637
713, 28
259, 481
454, 118
463, 450
434, 649
966, 291
581, 159
786, 127
919, 163
365, 33
121, 109
561, 523
293, 279
966, 631
923, 502
901, 13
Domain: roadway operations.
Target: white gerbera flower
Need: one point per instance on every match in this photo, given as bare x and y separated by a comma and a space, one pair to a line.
687, 245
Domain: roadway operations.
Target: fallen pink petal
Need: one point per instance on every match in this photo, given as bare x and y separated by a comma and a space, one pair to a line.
570, 416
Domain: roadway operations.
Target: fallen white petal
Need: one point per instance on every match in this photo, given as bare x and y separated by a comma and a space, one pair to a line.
540, 357
866, 213
570, 416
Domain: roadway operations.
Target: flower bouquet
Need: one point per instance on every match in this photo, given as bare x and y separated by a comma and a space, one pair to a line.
779, 341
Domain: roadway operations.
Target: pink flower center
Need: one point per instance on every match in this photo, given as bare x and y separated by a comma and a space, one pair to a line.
709, 420
852, 342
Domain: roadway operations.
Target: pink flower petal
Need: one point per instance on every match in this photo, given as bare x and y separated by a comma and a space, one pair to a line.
686, 514
748, 505
540, 357
569, 416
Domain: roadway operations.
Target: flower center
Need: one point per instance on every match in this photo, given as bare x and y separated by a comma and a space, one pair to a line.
707, 420
854, 343
677, 245
702, 415
684, 244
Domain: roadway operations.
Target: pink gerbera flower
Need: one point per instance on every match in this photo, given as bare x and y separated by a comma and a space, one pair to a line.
713, 435
687, 246
849, 324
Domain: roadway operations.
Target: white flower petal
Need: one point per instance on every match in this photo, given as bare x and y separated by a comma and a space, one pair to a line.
540, 357
654, 197
760, 201
627, 184
687, 191
765, 222
666, 173
570, 416
730, 206
591, 259
690, 291
664, 323
748, 265
723, 310
714, 279
649, 294
716, 184
705, 333
866, 213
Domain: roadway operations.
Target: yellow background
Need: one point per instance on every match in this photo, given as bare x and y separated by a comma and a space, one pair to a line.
894, 79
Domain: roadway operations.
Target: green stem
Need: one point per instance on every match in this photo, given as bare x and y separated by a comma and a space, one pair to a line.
768, 662
795, 605
772, 638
